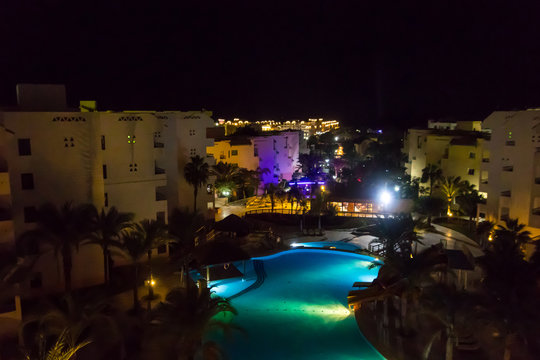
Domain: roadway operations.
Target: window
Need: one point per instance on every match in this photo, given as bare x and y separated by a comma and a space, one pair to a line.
24, 147
36, 281
234, 152
27, 181
162, 249
69, 142
286, 142
102, 142
106, 200
255, 151
471, 172
30, 214
472, 155
191, 132
193, 152
104, 171
133, 167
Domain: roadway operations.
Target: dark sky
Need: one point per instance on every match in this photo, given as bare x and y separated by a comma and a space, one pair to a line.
361, 62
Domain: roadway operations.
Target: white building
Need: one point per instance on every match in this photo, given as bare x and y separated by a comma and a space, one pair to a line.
511, 168
131, 160
456, 150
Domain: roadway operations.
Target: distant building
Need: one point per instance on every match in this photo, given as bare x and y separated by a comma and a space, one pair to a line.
455, 148
131, 160
511, 168
278, 152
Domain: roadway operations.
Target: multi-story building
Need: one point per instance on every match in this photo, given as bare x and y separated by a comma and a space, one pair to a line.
278, 152
457, 150
511, 168
131, 160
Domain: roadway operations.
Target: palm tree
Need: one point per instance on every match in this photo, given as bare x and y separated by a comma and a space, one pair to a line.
107, 226
271, 190
484, 231
244, 180
65, 229
225, 174
514, 232
154, 234
135, 246
468, 203
509, 286
257, 178
394, 234
63, 349
196, 174
81, 320
451, 187
183, 227
186, 316
432, 174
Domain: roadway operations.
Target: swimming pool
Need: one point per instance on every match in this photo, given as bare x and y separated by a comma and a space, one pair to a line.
295, 307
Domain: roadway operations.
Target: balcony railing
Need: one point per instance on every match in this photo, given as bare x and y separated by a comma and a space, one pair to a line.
158, 144
505, 217
508, 168
506, 193
484, 181
485, 160
536, 211
160, 196
159, 171
510, 143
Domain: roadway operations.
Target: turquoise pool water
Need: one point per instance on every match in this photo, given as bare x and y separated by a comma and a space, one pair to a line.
295, 307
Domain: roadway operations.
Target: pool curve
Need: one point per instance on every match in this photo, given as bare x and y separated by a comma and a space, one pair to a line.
292, 305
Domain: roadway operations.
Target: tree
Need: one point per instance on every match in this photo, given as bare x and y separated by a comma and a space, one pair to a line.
257, 177
81, 319
244, 180
468, 203
154, 234
513, 232
134, 247
107, 227
63, 349
432, 174
185, 317
451, 187
271, 190
509, 286
430, 206
196, 174
64, 229
225, 174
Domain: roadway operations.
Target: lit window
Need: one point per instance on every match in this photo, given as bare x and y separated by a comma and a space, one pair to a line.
234, 152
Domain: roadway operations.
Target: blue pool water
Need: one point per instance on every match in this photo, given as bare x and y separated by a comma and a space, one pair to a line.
295, 307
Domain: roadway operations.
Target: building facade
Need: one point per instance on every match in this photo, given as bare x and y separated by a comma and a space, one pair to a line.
278, 152
131, 160
457, 150
511, 168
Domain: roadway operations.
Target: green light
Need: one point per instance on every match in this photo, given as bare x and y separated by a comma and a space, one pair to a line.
129, 137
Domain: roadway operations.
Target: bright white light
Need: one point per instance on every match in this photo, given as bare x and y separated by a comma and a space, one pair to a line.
327, 160
226, 192
396, 187
385, 197
336, 138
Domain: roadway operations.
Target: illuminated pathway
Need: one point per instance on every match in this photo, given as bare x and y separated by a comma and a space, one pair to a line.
298, 310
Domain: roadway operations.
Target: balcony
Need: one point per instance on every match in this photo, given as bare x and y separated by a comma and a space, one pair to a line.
510, 143
159, 171
506, 193
160, 196
505, 217
484, 181
158, 144
3, 165
508, 168
485, 160
537, 180
536, 211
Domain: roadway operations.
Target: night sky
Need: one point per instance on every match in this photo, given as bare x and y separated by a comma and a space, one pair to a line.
360, 62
